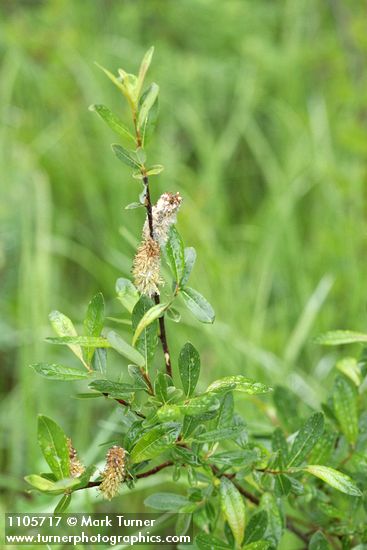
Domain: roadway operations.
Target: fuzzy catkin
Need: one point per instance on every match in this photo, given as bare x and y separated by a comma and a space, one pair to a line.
114, 472
146, 267
76, 467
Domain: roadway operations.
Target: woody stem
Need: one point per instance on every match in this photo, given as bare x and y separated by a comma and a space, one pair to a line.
162, 326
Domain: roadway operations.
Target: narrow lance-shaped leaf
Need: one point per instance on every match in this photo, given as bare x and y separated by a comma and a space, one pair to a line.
230, 432
256, 527
274, 529
339, 337
155, 442
189, 258
53, 487
198, 305
166, 501
174, 251
345, 401
233, 509
126, 156
147, 341
334, 478
93, 322
83, 341
147, 103
53, 371
238, 383
63, 326
144, 66
189, 368
53, 443
151, 315
112, 120
306, 439
125, 349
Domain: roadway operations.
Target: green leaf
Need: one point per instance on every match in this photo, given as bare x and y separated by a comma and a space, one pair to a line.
345, 401
190, 258
144, 66
166, 501
230, 432
53, 443
318, 542
155, 170
235, 458
113, 121
286, 403
149, 124
63, 504
306, 439
83, 341
226, 411
274, 529
147, 103
256, 527
174, 251
199, 405
258, 545
149, 317
94, 321
53, 371
338, 337
155, 442
238, 383
125, 349
324, 447
53, 487
114, 389
173, 314
126, 293
233, 509
198, 305
208, 542
147, 341
63, 326
126, 156
334, 478
138, 377
189, 368
279, 443
350, 367
99, 360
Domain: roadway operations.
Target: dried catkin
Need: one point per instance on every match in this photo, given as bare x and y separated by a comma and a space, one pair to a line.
164, 215
114, 472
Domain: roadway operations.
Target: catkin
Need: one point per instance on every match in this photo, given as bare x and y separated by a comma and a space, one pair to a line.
114, 472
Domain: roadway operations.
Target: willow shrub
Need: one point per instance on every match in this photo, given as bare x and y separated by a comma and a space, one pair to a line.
306, 475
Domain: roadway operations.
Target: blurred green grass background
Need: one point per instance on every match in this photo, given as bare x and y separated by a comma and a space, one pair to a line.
262, 130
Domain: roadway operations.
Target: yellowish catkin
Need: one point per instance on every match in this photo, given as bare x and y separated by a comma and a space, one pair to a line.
146, 267
114, 472
76, 467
